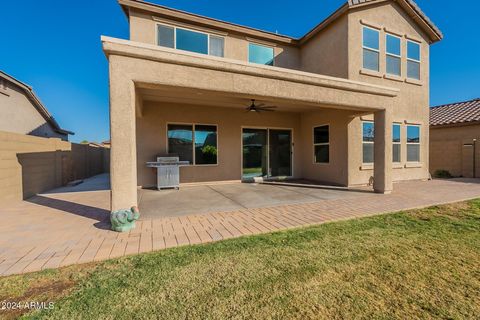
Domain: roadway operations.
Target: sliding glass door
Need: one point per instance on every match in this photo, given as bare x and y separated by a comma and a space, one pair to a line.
266, 153
254, 153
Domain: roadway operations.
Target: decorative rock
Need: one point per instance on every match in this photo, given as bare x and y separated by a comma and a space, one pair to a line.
124, 220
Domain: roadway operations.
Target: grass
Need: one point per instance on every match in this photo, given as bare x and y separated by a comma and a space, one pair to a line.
416, 264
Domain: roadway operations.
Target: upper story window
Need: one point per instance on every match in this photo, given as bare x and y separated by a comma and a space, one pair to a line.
413, 60
321, 144
413, 143
260, 54
189, 40
371, 49
393, 55
397, 145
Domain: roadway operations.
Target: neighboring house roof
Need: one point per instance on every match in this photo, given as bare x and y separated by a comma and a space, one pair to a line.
36, 102
409, 6
455, 113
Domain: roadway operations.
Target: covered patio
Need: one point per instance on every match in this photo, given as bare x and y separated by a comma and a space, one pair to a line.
152, 87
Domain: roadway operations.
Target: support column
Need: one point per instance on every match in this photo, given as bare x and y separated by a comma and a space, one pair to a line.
123, 153
383, 152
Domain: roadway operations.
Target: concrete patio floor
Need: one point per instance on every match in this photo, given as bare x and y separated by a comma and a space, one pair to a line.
71, 225
154, 204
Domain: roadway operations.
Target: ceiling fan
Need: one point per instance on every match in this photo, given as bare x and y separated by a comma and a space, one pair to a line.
260, 107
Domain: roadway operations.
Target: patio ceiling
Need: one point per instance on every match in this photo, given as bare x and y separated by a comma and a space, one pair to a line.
194, 97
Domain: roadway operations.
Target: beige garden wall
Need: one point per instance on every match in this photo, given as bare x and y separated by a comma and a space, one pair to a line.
30, 165
447, 151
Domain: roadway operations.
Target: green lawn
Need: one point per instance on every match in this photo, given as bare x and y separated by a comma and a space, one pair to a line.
417, 264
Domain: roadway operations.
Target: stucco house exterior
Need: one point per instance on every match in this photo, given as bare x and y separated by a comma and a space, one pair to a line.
455, 138
346, 104
21, 111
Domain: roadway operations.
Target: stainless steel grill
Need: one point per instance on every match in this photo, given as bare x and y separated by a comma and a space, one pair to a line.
168, 171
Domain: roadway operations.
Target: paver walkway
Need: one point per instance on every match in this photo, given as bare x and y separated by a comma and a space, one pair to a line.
65, 227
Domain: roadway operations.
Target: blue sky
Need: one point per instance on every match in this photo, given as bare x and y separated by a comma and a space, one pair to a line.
54, 45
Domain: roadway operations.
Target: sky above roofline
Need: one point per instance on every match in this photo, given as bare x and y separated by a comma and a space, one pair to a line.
55, 47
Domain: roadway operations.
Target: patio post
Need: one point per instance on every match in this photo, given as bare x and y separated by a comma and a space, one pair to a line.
123, 161
383, 152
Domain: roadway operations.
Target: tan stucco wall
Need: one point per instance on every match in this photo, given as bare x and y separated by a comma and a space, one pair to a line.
336, 171
143, 29
19, 115
152, 139
447, 151
327, 52
30, 165
412, 103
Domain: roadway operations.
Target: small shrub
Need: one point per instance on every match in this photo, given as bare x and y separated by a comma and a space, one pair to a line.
442, 174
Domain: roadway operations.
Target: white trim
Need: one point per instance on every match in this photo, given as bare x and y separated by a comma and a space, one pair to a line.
370, 49
261, 45
193, 141
292, 148
397, 143
368, 142
392, 54
321, 144
419, 61
414, 143
174, 27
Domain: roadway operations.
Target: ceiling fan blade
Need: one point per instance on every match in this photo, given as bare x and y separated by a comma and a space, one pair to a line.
260, 105
268, 107
263, 109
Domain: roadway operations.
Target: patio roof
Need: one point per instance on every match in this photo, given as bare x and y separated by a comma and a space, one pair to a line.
239, 79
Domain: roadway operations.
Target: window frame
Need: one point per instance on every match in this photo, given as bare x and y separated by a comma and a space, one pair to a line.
194, 164
370, 49
321, 144
419, 143
392, 54
261, 45
414, 60
188, 29
368, 142
397, 143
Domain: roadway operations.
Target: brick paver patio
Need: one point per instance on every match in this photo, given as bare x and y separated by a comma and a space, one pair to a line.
60, 229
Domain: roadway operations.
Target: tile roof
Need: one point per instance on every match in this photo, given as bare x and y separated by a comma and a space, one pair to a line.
460, 112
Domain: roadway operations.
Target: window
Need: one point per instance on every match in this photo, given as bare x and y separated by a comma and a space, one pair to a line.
260, 54
413, 143
189, 40
371, 49
321, 142
397, 146
180, 141
413, 60
205, 144
368, 138
182, 138
393, 55
217, 45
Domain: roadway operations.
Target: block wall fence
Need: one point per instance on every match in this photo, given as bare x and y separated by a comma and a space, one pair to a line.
31, 165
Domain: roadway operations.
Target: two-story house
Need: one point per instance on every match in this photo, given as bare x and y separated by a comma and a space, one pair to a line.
345, 104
